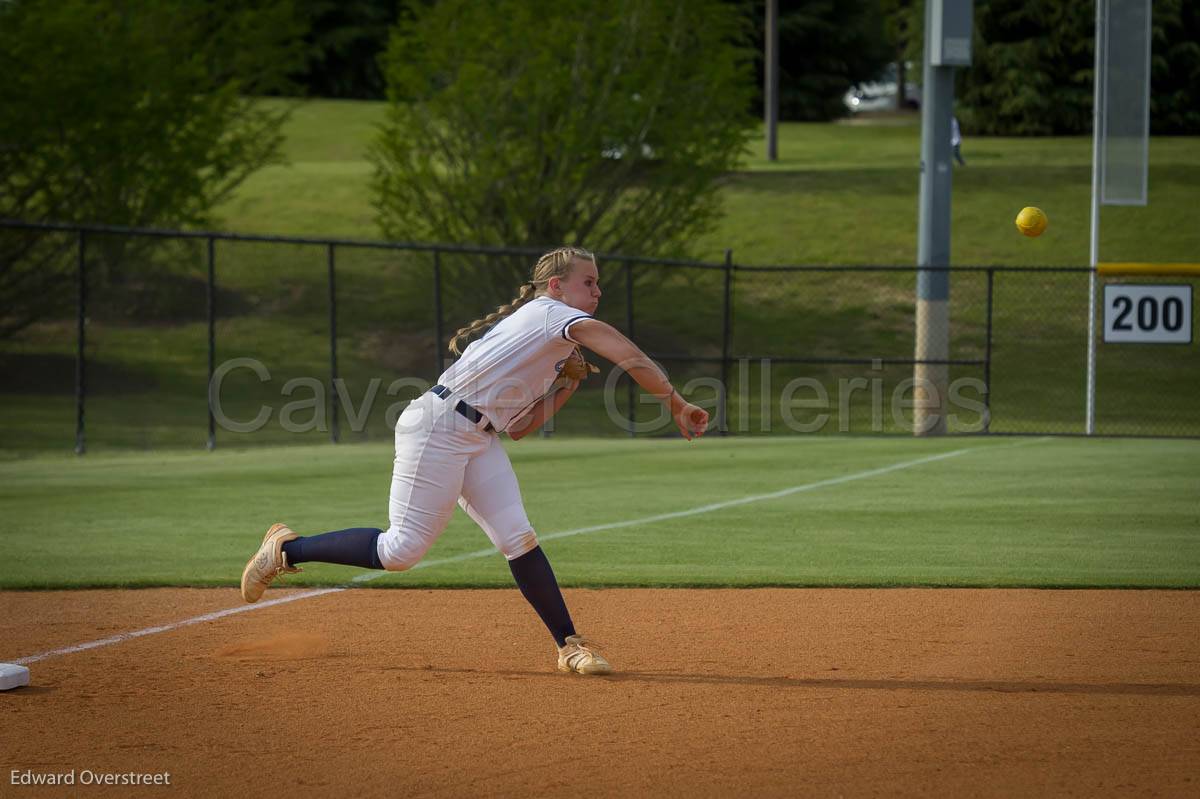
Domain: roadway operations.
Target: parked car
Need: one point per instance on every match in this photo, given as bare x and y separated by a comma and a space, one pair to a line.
880, 94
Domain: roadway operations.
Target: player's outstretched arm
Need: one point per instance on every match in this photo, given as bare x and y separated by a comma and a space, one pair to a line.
608, 342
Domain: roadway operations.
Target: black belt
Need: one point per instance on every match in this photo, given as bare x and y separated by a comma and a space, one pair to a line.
463, 408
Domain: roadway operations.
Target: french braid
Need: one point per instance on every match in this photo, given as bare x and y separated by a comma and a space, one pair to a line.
556, 263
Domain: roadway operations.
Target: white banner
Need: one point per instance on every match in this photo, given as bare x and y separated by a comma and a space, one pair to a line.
1125, 85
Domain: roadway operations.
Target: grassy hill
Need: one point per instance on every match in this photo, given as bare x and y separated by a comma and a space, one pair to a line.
839, 194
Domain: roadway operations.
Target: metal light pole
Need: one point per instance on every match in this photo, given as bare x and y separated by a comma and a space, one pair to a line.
771, 79
948, 26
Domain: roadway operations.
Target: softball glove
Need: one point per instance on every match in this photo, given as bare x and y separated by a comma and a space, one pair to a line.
576, 367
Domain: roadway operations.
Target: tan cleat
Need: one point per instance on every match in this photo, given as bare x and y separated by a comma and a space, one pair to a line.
268, 563
580, 655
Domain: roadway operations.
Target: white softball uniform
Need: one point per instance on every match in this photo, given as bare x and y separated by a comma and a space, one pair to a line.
443, 458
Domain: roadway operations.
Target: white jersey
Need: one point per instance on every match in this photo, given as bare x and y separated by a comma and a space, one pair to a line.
513, 365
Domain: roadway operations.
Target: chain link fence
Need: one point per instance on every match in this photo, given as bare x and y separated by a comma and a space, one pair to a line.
191, 339
1147, 388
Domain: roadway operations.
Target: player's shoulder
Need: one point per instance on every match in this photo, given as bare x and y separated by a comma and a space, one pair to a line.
536, 314
544, 307
533, 311
550, 315
540, 304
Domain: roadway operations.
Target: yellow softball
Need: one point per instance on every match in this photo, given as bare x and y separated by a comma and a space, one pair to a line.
1032, 221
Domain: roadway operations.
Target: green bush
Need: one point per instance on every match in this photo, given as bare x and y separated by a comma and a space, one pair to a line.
127, 113
524, 123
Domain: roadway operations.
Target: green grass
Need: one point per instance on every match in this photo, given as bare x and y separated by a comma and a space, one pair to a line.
839, 193
322, 190
1011, 512
847, 194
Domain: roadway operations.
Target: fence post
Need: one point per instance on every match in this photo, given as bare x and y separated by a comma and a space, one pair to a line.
437, 313
334, 427
211, 312
630, 389
1089, 416
80, 361
987, 357
726, 341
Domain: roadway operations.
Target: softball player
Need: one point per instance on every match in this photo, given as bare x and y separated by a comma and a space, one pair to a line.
448, 450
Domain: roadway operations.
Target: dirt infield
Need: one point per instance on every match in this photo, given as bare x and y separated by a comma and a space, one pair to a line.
769, 692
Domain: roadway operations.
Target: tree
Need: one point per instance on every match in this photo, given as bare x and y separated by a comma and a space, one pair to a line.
825, 47
127, 113
1032, 66
597, 122
1031, 70
344, 42
1175, 68
898, 25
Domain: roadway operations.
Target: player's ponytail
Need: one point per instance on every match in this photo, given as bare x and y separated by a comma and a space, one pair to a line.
528, 292
556, 263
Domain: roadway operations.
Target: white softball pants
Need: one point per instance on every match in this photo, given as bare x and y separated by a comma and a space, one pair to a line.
442, 458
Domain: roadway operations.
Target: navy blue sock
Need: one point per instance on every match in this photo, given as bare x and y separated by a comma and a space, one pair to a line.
536, 580
353, 547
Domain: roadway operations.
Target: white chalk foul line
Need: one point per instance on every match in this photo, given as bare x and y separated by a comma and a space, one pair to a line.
118, 638
482, 553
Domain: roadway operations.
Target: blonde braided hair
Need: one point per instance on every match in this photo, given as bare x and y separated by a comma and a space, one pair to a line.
556, 263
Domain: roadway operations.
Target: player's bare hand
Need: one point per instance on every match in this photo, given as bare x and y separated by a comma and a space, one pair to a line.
691, 420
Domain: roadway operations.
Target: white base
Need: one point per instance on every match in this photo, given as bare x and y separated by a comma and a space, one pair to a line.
13, 676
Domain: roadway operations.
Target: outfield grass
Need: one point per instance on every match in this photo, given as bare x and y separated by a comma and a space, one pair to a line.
1012, 512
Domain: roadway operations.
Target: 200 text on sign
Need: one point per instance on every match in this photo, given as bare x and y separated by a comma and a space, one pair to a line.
1147, 314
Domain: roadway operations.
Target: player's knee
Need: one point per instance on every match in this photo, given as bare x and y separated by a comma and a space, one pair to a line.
399, 560
398, 553
520, 544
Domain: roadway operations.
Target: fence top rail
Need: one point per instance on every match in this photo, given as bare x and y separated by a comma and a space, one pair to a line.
479, 249
906, 268
413, 246
267, 238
